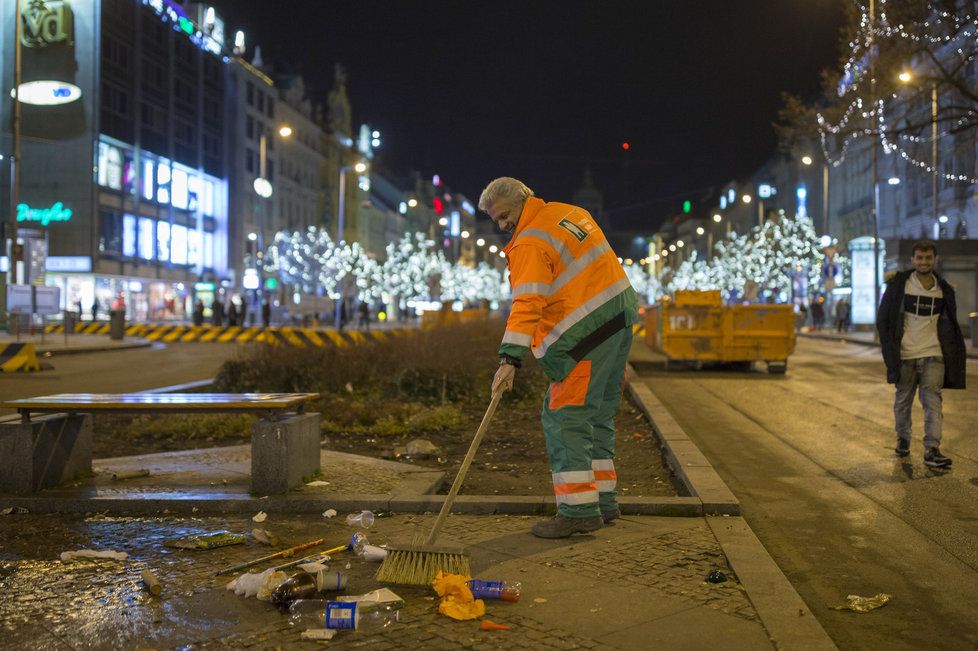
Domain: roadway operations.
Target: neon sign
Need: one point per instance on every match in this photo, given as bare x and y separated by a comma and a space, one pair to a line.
56, 213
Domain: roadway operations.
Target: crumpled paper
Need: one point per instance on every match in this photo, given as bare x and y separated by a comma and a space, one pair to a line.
864, 604
457, 601
91, 553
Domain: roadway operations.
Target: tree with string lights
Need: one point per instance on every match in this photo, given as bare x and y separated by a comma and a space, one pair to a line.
924, 55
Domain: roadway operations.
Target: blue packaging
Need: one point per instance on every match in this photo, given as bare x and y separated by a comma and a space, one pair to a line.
486, 589
341, 614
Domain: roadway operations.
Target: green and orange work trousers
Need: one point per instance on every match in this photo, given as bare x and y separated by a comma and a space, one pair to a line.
578, 423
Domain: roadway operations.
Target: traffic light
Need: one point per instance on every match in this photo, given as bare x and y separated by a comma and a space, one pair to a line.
687, 206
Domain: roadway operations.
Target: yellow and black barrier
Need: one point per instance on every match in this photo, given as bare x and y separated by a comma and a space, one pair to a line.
276, 335
18, 358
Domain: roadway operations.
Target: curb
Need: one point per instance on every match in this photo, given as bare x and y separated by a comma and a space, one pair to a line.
54, 352
787, 619
970, 353
684, 458
401, 502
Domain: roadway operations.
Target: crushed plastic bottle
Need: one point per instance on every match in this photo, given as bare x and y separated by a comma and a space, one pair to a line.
502, 590
303, 585
347, 615
363, 519
321, 613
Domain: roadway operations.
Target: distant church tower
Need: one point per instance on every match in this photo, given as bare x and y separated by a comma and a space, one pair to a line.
590, 199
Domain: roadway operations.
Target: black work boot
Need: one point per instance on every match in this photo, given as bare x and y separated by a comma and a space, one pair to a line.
562, 526
610, 516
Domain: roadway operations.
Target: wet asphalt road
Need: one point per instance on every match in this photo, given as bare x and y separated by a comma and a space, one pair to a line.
134, 369
810, 456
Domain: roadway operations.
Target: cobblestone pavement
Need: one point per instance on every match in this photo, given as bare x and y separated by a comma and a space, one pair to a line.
95, 604
225, 472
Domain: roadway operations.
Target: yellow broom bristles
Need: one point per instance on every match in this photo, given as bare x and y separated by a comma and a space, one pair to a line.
418, 566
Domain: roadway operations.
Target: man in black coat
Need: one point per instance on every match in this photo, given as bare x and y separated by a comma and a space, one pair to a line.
923, 348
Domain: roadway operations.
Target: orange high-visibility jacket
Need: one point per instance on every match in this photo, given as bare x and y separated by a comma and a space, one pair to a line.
570, 293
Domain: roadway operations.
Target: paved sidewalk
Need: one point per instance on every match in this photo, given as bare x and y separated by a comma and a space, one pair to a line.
55, 344
638, 584
868, 338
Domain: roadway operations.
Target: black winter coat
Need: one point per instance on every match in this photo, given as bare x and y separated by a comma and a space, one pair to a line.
889, 324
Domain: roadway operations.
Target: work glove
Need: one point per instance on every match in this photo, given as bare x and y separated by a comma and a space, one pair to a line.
503, 381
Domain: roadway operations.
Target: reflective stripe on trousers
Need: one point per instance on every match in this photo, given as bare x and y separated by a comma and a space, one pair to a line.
578, 423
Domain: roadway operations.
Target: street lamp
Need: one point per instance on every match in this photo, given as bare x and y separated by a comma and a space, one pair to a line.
907, 77
263, 187
807, 161
360, 167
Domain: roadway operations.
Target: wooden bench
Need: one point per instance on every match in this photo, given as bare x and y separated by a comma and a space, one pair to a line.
43, 451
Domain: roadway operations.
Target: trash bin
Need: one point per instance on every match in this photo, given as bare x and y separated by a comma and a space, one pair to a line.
69, 322
973, 317
117, 324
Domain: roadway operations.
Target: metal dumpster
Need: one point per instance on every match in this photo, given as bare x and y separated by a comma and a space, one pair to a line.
697, 327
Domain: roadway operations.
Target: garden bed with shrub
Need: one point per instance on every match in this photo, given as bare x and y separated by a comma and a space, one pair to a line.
378, 397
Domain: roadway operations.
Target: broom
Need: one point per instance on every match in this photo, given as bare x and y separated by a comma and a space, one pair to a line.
418, 564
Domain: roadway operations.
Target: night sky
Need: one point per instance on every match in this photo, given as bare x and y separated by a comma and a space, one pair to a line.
536, 90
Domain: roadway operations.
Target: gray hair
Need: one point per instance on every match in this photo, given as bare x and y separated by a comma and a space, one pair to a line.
505, 187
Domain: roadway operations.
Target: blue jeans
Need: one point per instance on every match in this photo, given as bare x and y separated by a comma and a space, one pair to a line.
927, 375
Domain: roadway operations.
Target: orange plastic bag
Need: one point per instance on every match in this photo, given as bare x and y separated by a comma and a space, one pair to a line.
457, 601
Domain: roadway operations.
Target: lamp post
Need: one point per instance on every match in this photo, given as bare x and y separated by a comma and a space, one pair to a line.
263, 188
15, 251
359, 168
906, 77
807, 162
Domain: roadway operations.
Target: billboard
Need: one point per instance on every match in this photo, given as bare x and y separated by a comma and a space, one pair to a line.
863, 296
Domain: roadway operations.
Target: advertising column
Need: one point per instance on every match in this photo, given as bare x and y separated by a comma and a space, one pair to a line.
863, 296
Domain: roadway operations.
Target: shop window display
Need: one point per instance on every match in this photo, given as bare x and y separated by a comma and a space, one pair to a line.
178, 244
129, 235
179, 187
163, 241
193, 247
109, 166
163, 182
148, 177
147, 240
209, 250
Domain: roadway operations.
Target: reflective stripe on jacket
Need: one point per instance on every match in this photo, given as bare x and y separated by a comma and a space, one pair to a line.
567, 283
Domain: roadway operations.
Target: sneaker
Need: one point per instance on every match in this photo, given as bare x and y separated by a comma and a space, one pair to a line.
562, 526
935, 459
903, 447
610, 516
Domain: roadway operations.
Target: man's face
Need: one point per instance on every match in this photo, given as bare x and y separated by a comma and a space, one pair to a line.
923, 261
505, 213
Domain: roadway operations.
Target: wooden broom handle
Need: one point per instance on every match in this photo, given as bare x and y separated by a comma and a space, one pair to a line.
460, 477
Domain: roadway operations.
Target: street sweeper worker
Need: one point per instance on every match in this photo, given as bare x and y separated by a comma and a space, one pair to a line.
573, 308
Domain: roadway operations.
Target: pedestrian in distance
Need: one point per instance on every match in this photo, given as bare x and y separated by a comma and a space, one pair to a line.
266, 313
232, 313
923, 348
364, 313
217, 312
842, 316
198, 312
573, 308
95, 308
343, 315
243, 313
818, 313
